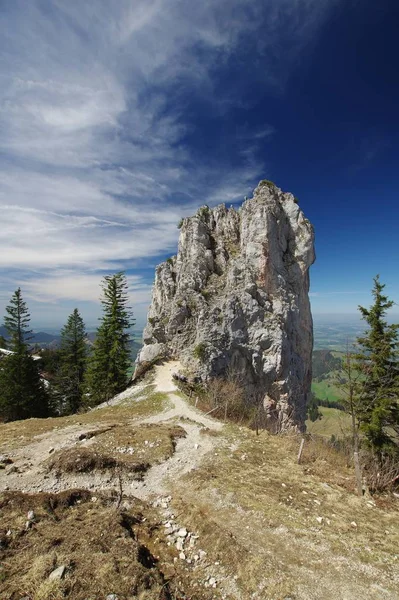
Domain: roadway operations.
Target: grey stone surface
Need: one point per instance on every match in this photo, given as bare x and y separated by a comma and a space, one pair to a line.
235, 298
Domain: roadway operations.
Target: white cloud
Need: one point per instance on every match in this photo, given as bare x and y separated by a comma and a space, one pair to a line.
68, 285
94, 153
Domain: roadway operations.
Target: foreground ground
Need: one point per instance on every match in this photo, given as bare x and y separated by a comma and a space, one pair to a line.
149, 498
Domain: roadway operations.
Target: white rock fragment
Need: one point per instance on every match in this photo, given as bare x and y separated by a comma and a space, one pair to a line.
58, 573
182, 532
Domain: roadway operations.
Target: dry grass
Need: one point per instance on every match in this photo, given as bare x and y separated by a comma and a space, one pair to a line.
104, 550
124, 447
282, 528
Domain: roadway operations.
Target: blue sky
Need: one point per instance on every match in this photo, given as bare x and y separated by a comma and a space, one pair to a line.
118, 118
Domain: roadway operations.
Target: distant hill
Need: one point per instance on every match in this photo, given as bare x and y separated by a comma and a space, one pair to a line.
326, 375
38, 337
52, 340
324, 361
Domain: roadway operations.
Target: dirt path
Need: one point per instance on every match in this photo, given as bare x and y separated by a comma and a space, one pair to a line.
189, 450
30, 474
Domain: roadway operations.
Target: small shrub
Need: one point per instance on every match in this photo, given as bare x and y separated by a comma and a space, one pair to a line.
169, 260
268, 183
228, 395
199, 351
296, 200
203, 211
381, 476
180, 224
152, 321
205, 293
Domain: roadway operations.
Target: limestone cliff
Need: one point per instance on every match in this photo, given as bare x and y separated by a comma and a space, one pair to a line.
236, 298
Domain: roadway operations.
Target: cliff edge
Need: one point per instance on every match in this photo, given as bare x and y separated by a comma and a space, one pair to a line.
235, 300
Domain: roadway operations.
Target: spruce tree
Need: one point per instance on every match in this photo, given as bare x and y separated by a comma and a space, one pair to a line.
378, 389
73, 360
22, 392
17, 322
110, 360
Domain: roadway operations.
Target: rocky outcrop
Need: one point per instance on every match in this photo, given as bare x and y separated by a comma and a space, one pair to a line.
235, 299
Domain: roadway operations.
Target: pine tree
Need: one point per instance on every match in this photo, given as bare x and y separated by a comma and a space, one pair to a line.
107, 374
73, 360
17, 322
313, 413
22, 392
378, 391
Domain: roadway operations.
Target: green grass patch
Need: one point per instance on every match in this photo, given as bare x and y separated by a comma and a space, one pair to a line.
327, 389
333, 422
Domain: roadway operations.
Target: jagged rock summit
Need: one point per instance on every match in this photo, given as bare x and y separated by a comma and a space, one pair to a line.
235, 299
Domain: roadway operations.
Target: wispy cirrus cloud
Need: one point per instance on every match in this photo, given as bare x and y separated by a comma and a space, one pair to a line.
100, 132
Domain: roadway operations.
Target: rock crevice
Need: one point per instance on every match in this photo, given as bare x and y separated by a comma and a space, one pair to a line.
235, 298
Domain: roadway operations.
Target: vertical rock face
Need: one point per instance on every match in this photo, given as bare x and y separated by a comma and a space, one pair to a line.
235, 299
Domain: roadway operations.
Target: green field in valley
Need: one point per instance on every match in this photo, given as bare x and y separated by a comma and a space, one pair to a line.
327, 389
333, 422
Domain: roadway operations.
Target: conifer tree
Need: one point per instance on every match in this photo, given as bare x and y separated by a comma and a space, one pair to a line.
73, 360
22, 392
110, 360
378, 390
17, 322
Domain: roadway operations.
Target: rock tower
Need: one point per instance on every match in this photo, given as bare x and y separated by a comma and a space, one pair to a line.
235, 298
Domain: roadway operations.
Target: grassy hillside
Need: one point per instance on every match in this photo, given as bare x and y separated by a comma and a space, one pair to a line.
333, 422
237, 519
326, 388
